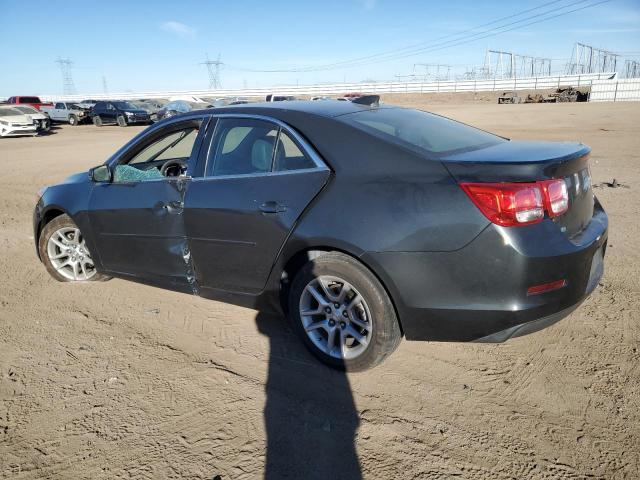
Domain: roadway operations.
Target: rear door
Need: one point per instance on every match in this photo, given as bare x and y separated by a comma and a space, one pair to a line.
259, 176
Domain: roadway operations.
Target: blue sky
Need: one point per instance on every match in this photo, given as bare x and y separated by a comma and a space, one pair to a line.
158, 45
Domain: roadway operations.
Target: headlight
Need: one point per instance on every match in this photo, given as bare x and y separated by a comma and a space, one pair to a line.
81, 114
128, 114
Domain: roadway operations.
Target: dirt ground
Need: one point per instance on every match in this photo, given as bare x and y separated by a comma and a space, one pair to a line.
119, 380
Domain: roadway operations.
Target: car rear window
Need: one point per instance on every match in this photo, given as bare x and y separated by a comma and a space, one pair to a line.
29, 100
420, 130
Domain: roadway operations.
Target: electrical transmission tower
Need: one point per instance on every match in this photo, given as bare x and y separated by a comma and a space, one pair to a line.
631, 69
504, 65
68, 87
588, 59
213, 66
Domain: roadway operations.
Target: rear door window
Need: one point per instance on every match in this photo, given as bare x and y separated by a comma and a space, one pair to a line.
289, 156
242, 146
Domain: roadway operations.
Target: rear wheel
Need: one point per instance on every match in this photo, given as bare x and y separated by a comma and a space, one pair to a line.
73, 120
97, 121
64, 252
343, 313
122, 122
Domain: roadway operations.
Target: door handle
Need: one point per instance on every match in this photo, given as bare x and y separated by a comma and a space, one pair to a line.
272, 207
174, 207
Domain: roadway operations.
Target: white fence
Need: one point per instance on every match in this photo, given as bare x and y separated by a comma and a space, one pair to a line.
625, 90
531, 83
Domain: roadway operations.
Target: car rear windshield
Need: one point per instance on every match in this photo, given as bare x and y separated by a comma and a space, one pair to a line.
420, 130
29, 100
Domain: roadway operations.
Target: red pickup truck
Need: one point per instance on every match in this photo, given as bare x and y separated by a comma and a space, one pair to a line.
33, 101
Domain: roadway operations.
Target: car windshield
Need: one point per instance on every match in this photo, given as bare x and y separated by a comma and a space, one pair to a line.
420, 130
125, 106
9, 112
30, 110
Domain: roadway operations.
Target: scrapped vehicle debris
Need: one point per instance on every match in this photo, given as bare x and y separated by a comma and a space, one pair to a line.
560, 95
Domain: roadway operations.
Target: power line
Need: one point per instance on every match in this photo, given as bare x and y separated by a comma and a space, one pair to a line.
465, 41
465, 37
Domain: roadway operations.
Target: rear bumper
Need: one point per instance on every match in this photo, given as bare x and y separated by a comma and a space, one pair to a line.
479, 293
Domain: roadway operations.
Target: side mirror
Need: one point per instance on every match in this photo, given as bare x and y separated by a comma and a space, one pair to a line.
101, 174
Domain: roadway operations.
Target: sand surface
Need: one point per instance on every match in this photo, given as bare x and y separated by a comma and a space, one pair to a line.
120, 380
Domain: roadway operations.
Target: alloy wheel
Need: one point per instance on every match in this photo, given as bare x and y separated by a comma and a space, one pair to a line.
69, 255
335, 317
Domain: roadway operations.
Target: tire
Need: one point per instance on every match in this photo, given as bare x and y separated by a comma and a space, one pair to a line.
122, 122
377, 324
73, 120
46, 125
74, 240
97, 121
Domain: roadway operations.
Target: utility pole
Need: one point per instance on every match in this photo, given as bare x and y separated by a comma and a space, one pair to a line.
68, 87
213, 66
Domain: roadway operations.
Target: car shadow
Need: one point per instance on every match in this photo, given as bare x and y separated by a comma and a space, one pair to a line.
310, 415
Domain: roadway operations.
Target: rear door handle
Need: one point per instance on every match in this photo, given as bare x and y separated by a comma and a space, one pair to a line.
174, 207
272, 207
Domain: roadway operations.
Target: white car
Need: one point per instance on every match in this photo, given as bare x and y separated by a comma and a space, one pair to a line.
187, 98
43, 120
13, 123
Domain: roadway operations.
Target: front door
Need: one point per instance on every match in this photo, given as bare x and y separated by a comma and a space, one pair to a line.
259, 178
137, 219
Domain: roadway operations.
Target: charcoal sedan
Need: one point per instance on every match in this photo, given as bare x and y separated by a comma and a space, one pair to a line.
361, 224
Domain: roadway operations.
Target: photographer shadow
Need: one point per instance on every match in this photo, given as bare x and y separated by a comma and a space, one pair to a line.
310, 415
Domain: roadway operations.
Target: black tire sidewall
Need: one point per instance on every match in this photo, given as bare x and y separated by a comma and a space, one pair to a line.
386, 333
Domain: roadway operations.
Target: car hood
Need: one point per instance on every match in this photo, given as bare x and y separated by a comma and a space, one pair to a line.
16, 119
514, 151
80, 177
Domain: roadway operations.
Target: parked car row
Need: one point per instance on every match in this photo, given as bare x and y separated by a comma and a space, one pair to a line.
31, 110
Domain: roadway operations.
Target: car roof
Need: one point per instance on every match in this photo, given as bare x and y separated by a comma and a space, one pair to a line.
329, 108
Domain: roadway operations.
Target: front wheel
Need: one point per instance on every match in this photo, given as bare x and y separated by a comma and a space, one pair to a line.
122, 122
97, 121
343, 313
73, 120
64, 253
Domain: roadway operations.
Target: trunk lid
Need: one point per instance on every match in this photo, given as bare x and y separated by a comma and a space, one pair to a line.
516, 161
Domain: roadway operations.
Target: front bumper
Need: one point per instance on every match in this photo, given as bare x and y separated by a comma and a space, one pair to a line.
479, 293
138, 119
17, 130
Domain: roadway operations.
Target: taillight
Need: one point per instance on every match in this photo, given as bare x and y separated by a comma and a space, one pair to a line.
556, 197
516, 204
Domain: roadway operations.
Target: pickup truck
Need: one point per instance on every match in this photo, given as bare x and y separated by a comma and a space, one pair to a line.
35, 102
67, 112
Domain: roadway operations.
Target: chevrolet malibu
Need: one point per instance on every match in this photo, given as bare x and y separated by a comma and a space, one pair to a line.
361, 224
